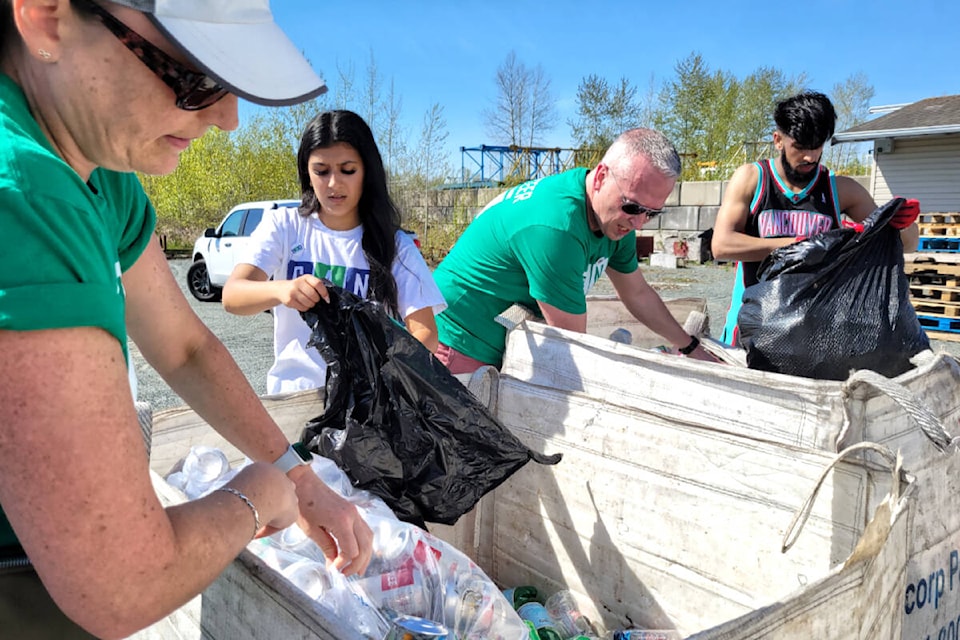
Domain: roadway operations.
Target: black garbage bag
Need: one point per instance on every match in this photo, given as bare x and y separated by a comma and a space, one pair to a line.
833, 303
396, 420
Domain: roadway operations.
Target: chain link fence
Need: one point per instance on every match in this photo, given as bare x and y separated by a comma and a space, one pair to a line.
439, 216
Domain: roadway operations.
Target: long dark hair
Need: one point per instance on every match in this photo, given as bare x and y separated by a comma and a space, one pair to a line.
379, 217
8, 29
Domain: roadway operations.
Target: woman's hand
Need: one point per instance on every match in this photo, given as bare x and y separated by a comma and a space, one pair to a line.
272, 494
333, 523
302, 293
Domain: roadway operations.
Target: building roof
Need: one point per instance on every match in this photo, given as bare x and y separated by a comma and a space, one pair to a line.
933, 116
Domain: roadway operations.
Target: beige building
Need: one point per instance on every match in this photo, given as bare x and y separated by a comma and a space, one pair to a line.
916, 153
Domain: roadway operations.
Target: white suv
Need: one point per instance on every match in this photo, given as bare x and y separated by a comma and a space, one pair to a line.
214, 253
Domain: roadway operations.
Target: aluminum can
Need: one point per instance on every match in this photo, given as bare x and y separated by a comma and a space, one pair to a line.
414, 628
643, 634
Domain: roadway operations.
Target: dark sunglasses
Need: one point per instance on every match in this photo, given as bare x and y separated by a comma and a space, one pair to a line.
193, 90
632, 208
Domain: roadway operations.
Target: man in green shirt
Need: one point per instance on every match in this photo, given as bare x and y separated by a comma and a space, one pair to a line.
545, 243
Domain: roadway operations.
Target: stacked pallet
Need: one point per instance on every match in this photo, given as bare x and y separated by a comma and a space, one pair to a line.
934, 273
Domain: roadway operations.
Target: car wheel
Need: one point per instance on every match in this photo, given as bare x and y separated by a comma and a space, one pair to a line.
198, 281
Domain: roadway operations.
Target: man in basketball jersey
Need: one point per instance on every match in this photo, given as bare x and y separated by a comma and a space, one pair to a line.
776, 202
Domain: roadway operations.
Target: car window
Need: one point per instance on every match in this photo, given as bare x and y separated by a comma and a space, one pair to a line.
253, 219
231, 226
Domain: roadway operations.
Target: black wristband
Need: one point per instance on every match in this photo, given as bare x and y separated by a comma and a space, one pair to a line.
694, 343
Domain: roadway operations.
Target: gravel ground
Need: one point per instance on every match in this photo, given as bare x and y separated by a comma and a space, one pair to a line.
250, 338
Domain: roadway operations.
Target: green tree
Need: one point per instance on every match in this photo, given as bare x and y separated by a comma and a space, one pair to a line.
851, 99
720, 112
603, 113
685, 110
757, 97
718, 121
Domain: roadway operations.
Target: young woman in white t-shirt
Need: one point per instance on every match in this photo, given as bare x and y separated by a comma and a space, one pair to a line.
346, 230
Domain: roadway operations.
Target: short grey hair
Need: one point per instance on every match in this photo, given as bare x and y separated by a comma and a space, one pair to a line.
652, 144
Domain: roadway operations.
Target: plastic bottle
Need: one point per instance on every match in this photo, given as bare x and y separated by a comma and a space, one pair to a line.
519, 596
310, 577
294, 540
536, 613
565, 613
474, 615
203, 468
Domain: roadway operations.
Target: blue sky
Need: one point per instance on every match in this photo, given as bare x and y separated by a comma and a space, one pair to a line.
448, 52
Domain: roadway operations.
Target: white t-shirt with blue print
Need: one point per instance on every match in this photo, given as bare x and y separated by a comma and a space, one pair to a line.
286, 245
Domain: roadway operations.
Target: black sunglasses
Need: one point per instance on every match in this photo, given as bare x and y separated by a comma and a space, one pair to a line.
632, 208
193, 90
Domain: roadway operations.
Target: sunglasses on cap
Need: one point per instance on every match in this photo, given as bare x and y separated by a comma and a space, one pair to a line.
630, 207
194, 90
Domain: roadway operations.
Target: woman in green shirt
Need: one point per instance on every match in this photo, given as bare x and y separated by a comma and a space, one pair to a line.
90, 92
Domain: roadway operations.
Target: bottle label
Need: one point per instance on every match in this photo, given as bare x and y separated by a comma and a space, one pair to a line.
537, 614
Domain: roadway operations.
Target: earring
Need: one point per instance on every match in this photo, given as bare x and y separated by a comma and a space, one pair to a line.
43, 53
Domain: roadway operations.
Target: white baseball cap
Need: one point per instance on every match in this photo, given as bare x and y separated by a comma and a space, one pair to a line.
237, 43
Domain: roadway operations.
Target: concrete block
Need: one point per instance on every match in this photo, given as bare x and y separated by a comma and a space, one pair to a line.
652, 225
695, 250
666, 260
680, 218
708, 218
700, 193
673, 200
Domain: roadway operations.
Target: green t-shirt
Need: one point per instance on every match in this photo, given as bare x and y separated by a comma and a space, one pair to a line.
63, 243
531, 243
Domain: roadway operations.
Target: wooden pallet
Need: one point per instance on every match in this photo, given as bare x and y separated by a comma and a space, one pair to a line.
927, 270
931, 292
939, 229
939, 218
936, 309
928, 277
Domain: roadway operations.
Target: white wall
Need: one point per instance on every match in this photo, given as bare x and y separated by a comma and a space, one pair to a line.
925, 168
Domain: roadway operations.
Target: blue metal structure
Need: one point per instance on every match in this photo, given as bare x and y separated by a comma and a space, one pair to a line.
492, 165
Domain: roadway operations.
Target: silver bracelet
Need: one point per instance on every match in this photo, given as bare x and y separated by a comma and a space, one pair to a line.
246, 501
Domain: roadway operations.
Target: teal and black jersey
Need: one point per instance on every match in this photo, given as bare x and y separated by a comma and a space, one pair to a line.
776, 211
